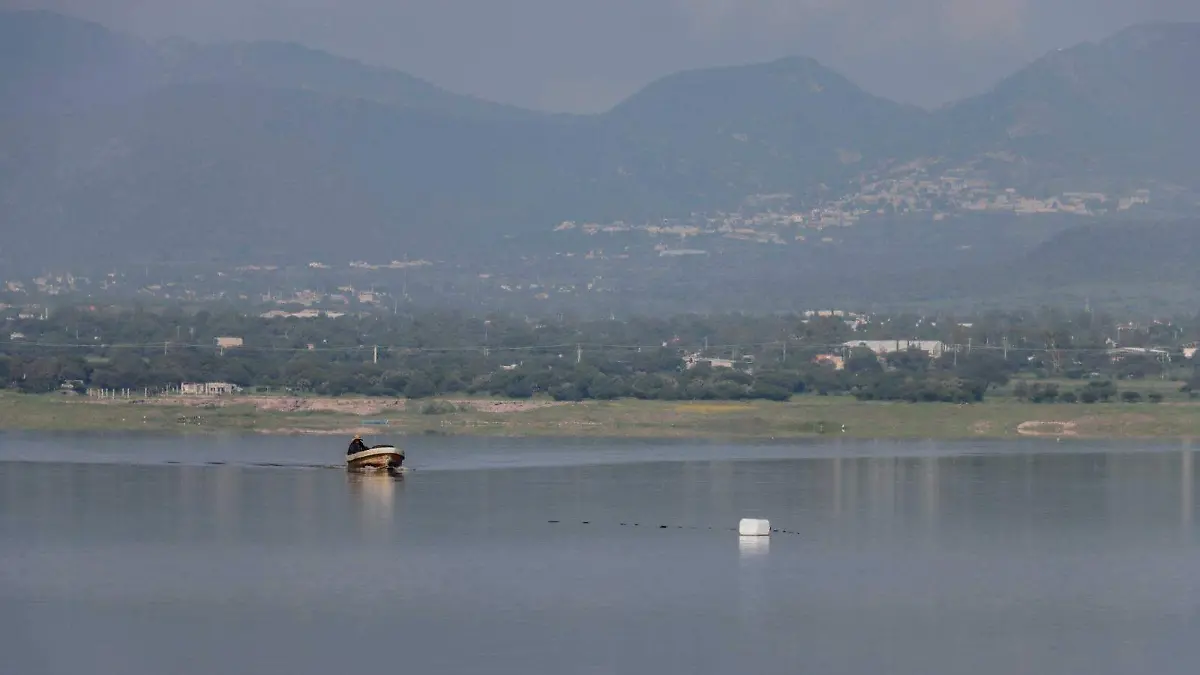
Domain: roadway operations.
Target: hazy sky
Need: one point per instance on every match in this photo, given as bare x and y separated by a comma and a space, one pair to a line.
585, 55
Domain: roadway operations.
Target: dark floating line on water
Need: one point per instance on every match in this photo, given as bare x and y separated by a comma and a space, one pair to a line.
201, 463
681, 527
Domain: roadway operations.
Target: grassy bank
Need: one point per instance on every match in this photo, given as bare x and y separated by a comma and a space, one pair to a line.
805, 416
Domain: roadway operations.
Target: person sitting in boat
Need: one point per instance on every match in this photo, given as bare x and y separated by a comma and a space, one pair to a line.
356, 445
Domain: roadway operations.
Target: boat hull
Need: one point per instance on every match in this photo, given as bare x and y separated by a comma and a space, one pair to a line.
379, 458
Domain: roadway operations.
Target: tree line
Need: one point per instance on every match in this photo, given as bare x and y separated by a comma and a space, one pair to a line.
692, 357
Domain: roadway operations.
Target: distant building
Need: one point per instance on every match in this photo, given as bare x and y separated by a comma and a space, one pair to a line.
302, 314
208, 388
228, 342
934, 348
1118, 354
693, 360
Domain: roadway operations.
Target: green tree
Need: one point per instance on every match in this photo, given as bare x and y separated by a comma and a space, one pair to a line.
419, 385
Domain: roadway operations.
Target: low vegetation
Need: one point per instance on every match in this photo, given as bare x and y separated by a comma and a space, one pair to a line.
802, 417
1034, 357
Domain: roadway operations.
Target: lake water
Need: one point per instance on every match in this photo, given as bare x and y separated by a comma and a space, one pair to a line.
148, 555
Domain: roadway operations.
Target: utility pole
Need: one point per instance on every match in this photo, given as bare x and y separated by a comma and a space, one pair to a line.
375, 354
578, 353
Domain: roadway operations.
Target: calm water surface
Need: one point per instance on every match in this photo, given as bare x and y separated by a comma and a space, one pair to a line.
144, 556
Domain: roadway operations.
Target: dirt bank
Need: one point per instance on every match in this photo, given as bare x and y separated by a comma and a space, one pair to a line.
347, 406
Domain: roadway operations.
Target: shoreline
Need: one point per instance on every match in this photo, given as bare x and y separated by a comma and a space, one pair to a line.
808, 416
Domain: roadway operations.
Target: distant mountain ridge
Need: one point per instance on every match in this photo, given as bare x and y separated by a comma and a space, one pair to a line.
49, 45
122, 149
1131, 99
291, 66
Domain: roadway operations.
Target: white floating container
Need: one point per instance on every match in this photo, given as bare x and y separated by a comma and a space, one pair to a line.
754, 527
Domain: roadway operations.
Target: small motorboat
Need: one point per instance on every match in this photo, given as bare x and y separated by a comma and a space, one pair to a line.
376, 458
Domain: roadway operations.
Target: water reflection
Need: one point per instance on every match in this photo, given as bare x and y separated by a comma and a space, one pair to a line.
753, 547
1187, 483
829, 500
376, 496
753, 598
227, 498
878, 493
1014, 562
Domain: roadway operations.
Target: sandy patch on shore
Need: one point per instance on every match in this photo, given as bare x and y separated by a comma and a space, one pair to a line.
287, 404
347, 406
502, 406
1120, 424
705, 408
1046, 428
981, 427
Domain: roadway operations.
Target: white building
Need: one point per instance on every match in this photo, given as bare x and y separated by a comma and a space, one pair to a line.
692, 360
934, 348
208, 388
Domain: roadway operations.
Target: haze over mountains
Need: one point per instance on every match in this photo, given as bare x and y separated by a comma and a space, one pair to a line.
117, 149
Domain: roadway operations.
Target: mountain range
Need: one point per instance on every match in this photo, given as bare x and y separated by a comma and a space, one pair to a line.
119, 149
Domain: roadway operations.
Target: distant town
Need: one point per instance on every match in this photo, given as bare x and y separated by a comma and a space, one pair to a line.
919, 187
566, 270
